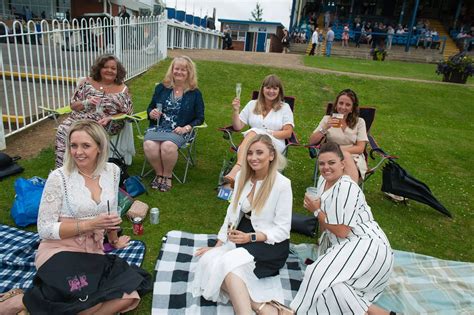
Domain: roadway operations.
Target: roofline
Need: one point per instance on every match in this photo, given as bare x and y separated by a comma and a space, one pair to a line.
250, 22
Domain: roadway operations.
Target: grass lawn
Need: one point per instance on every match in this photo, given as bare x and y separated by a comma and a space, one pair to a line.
421, 123
423, 71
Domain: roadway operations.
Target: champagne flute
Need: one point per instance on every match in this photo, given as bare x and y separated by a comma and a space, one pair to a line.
98, 108
238, 90
159, 108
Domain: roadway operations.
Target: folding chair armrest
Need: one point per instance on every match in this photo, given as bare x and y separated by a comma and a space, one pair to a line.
57, 111
201, 126
375, 148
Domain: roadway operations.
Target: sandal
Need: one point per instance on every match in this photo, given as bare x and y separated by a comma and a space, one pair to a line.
164, 184
282, 309
156, 182
11, 302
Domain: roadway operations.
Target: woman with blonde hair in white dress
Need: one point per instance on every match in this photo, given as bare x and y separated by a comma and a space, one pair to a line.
253, 241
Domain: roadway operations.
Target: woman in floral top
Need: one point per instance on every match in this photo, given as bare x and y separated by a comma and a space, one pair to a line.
98, 98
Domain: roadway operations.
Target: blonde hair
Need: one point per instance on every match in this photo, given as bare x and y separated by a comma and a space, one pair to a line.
191, 81
277, 164
98, 134
270, 81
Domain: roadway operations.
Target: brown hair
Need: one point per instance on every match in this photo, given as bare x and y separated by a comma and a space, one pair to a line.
269, 81
353, 117
331, 147
100, 62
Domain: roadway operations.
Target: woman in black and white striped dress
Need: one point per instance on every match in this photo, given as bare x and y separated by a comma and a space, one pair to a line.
354, 257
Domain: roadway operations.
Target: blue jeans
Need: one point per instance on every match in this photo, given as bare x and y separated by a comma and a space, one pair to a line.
328, 48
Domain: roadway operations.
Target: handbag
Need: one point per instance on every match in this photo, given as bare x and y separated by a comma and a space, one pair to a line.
138, 209
27, 200
8, 166
134, 186
304, 224
125, 201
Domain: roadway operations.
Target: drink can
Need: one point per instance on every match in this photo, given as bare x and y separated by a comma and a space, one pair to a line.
154, 216
138, 226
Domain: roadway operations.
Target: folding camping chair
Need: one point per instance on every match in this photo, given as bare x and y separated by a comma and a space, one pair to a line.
368, 114
122, 145
187, 152
229, 130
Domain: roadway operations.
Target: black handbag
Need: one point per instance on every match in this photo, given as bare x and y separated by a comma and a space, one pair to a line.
304, 224
8, 165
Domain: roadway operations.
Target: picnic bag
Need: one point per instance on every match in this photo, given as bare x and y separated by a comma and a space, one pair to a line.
27, 200
134, 186
8, 166
138, 209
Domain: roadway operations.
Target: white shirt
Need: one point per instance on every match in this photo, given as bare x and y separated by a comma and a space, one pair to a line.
314, 38
70, 198
274, 219
274, 120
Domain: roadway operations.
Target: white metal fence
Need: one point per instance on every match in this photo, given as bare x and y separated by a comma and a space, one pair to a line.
40, 62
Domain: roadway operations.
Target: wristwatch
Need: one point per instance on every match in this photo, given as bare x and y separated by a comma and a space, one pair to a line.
323, 131
253, 237
317, 212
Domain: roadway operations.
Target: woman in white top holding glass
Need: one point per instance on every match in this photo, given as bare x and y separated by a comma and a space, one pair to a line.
268, 114
253, 241
344, 127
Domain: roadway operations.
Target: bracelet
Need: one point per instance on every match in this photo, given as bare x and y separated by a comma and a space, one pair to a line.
323, 131
78, 227
317, 212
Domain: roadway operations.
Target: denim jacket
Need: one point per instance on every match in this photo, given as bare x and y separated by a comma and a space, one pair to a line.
192, 106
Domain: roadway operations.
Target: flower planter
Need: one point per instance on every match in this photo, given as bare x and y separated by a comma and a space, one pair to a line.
455, 77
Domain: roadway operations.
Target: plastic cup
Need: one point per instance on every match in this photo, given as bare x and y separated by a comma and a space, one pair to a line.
339, 117
312, 192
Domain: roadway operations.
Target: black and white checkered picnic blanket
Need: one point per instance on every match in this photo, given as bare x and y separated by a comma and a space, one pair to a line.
17, 257
171, 292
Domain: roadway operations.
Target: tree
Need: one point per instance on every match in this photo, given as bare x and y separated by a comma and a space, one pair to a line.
257, 13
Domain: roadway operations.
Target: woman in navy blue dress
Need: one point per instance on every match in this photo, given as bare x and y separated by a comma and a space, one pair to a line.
176, 107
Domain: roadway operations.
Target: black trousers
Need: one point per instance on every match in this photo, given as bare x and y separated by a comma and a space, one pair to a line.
311, 53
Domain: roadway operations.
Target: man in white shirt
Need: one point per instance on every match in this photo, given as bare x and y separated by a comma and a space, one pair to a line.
314, 42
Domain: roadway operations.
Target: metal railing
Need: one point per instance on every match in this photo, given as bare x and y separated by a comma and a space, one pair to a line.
41, 61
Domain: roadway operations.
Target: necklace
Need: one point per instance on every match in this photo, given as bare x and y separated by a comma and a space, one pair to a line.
93, 177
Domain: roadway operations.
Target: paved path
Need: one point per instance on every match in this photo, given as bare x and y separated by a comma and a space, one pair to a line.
286, 61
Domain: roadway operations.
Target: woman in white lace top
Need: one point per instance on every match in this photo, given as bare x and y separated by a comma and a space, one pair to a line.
78, 206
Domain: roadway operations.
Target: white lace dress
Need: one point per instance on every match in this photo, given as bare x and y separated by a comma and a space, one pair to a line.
65, 197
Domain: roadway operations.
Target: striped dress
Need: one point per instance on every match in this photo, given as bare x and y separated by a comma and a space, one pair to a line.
350, 273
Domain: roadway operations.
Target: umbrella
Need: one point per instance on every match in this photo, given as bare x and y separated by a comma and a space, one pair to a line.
397, 181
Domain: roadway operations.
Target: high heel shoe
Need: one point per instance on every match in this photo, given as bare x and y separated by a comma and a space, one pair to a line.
282, 309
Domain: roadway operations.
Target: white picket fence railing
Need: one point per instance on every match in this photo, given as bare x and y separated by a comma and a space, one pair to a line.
40, 62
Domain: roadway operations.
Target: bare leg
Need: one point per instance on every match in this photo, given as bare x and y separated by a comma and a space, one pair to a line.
240, 298
238, 293
152, 150
240, 155
114, 306
169, 157
375, 310
350, 167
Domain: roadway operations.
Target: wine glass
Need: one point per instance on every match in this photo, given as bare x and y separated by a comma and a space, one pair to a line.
98, 108
238, 90
159, 108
